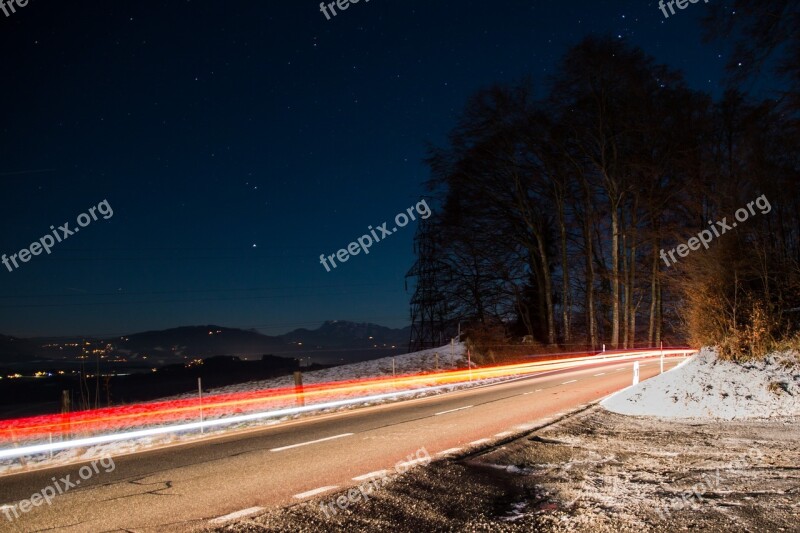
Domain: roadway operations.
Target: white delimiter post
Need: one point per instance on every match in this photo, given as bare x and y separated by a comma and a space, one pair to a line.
662, 357
636, 373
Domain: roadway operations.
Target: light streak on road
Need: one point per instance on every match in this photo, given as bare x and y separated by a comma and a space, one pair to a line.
82, 428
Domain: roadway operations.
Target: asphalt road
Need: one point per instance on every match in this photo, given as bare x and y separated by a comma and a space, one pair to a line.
184, 487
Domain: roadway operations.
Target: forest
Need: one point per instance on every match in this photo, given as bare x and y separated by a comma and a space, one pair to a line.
557, 196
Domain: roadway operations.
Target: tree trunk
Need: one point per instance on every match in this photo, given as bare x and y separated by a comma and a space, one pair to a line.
566, 300
615, 281
590, 275
651, 330
548, 291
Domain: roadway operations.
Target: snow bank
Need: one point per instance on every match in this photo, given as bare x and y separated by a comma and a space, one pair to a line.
707, 387
450, 357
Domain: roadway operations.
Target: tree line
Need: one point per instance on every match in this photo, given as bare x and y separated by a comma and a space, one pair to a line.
556, 201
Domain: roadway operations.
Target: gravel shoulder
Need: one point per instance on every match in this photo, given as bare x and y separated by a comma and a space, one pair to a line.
594, 471
709, 446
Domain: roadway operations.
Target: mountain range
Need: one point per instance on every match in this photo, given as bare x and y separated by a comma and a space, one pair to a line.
333, 341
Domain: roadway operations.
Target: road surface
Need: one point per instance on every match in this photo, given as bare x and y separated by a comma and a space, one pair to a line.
184, 487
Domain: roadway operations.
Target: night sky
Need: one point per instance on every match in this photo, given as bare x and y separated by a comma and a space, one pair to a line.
238, 141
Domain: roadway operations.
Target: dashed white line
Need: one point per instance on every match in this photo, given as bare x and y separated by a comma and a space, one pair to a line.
453, 410
526, 393
449, 451
538, 390
310, 493
600, 374
310, 442
237, 515
570, 381
478, 442
377, 473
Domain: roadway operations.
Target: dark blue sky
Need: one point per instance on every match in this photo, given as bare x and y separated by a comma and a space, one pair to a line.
212, 127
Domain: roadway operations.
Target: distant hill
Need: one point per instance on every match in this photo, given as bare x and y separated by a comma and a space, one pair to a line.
195, 342
333, 341
344, 334
13, 349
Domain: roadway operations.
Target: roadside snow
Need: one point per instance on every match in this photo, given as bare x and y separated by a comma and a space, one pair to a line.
707, 387
450, 357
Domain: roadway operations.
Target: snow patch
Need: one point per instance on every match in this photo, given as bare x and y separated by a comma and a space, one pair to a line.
707, 387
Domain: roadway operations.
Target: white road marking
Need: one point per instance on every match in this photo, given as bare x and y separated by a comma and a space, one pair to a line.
600, 374
453, 410
526, 393
413, 463
478, 442
538, 390
526, 427
377, 473
310, 493
310, 442
503, 434
571, 381
237, 515
449, 451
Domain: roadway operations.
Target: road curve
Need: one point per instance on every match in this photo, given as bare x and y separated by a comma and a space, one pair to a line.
184, 487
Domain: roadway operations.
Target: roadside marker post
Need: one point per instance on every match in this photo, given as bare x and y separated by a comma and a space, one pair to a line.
200, 396
636, 373
298, 388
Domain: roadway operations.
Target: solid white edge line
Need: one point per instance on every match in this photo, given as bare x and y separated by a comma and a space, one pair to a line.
310, 442
238, 514
413, 463
503, 434
478, 442
449, 451
377, 473
453, 410
310, 493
